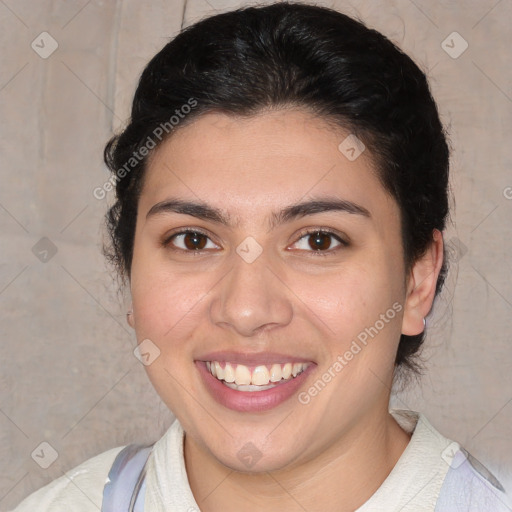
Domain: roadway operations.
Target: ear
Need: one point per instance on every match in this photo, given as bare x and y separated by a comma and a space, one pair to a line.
129, 317
421, 286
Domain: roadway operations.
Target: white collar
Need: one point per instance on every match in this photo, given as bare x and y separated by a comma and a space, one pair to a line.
416, 478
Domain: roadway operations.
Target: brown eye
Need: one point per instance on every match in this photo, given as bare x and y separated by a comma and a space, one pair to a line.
194, 241
190, 241
320, 241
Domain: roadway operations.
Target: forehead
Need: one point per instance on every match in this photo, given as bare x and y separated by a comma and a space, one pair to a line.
255, 164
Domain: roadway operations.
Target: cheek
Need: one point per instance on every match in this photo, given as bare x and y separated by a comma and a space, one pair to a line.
167, 305
351, 299
169, 308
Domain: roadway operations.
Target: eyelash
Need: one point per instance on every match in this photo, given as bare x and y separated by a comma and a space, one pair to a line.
166, 242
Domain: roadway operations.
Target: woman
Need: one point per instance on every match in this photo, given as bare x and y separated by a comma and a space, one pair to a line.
281, 197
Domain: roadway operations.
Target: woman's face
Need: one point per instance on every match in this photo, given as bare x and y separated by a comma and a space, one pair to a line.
262, 294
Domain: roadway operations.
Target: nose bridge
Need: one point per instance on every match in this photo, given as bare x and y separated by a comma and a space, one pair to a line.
251, 297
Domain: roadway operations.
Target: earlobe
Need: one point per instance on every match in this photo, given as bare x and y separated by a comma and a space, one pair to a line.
421, 286
130, 319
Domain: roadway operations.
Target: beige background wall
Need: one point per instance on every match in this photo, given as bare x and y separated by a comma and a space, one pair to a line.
68, 375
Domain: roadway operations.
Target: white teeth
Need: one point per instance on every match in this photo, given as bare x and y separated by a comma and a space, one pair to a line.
260, 376
240, 377
275, 373
248, 387
219, 371
229, 373
287, 371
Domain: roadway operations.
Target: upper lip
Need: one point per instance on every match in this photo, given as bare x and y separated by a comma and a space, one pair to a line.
252, 358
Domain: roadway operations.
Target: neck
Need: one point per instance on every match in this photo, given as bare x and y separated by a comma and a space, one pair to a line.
341, 478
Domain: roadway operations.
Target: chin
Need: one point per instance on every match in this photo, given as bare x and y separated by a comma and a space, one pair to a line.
251, 460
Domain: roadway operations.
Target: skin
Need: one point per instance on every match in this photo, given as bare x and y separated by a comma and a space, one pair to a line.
333, 453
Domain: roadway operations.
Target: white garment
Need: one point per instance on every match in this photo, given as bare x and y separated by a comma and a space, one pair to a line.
414, 484
79, 490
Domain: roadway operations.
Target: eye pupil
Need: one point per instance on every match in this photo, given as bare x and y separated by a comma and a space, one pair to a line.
194, 240
323, 241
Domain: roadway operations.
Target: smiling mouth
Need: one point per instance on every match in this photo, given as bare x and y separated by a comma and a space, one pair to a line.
258, 378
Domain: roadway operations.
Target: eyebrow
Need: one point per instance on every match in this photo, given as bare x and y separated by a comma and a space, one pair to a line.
204, 211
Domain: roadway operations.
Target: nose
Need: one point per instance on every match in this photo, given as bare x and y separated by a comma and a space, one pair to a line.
252, 298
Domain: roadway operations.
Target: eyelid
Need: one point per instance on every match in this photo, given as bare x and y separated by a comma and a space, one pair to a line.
166, 240
341, 238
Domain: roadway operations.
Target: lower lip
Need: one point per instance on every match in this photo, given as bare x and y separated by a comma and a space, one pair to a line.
251, 401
